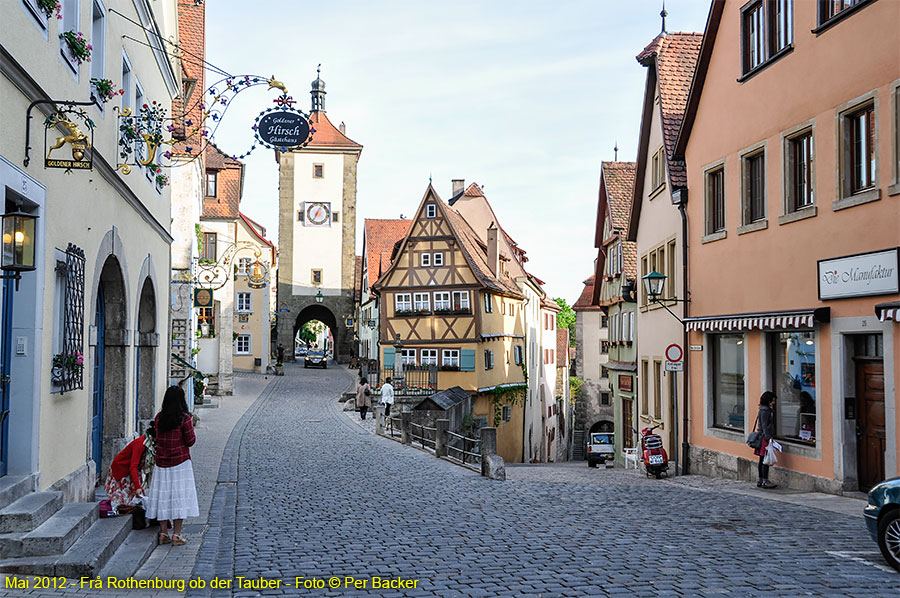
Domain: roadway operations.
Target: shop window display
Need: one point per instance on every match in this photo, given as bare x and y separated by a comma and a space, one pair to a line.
794, 369
728, 380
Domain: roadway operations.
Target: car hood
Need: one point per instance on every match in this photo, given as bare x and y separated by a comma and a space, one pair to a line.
886, 492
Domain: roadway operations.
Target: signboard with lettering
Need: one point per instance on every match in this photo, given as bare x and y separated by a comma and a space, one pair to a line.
625, 382
862, 275
282, 129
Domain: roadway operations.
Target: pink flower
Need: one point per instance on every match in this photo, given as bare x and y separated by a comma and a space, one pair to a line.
79, 358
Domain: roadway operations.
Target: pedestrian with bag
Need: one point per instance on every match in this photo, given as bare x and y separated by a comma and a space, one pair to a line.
173, 495
130, 472
387, 396
766, 422
363, 397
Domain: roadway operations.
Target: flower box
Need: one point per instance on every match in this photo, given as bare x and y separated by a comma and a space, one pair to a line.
105, 90
78, 45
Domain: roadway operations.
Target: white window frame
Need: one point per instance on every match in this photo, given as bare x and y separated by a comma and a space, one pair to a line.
425, 260
488, 303
506, 413
442, 300
437, 259
244, 302
408, 356
243, 265
450, 357
139, 147
69, 22
488, 359
429, 356
430, 210
237, 343
98, 54
421, 301
402, 302
464, 300
518, 357
40, 17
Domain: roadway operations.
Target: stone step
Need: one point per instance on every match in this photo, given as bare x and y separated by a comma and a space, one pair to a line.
11, 545
12, 488
129, 557
93, 550
30, 511
60, 531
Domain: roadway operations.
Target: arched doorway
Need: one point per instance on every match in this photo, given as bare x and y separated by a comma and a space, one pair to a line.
110, 321
603, 426
314, 313
145, 361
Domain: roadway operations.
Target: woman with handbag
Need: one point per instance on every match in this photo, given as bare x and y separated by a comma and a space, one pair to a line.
130, 472
363, 397
766, 419
173, 495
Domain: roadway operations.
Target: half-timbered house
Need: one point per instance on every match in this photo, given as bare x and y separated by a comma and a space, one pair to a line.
451, 302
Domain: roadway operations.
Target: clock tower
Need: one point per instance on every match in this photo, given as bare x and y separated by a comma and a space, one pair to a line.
317, 231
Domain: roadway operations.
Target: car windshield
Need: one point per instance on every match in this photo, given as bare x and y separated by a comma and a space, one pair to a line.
316, 353
601, 439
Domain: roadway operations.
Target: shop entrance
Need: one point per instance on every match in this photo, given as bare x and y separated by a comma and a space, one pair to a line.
871, 423
627, 424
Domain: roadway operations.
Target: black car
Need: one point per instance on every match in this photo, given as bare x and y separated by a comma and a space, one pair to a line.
882, 516
316, 359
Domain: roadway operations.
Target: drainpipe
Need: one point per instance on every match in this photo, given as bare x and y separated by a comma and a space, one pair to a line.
685, 445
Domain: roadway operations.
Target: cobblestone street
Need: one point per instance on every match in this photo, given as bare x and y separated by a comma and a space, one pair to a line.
304, 490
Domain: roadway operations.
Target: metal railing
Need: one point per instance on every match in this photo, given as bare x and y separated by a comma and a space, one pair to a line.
465, 456
422, 437
394, 431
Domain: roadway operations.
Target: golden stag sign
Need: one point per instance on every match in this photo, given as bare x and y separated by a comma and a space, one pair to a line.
78, 140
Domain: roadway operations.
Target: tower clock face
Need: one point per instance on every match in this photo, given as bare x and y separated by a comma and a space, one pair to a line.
318, 214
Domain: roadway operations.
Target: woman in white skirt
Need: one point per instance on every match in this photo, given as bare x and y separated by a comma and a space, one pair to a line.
173, 496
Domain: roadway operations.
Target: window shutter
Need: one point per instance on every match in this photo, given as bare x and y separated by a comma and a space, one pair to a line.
467, 360
389, 357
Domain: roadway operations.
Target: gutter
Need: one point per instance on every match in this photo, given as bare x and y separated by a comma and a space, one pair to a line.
685, 444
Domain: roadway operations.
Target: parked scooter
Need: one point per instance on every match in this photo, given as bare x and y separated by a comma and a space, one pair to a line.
656, 461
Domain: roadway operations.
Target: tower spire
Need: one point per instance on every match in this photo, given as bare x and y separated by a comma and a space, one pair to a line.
318, 92
663, 14
616, 152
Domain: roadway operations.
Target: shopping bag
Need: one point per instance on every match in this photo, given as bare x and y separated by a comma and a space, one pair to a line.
771, 458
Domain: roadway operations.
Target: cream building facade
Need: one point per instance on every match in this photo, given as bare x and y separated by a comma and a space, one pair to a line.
252, 316
99, 291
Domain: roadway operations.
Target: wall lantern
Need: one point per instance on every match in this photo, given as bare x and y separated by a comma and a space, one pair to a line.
653, 284
18, 245
371, 324
319, 297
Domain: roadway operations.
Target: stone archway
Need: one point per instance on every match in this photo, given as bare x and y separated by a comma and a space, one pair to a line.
310, 313
110, 357
603, 426
145, 359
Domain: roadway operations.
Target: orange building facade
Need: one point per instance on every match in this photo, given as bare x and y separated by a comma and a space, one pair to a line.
793, 159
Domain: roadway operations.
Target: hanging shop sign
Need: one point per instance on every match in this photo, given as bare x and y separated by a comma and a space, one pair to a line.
861, 275
282, 128
625, 383
203, 298
67, 125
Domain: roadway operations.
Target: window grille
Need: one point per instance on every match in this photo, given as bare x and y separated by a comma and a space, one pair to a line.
73, 323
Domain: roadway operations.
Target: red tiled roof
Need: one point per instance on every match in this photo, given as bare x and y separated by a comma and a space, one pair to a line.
325, 134
258, 230
551, 305
474, 190
562, 346
381, 235
585, 301
229, 185
619, 179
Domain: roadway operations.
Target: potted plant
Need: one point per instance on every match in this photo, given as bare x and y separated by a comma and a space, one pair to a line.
49, 6
78, 45
105, 89
66, 365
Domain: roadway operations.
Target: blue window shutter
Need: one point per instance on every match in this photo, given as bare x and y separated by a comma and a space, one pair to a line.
389, 358
467, 360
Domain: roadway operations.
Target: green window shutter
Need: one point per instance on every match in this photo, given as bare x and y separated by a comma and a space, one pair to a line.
389, 358
467, 360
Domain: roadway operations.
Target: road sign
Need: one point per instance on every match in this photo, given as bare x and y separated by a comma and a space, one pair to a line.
674, 353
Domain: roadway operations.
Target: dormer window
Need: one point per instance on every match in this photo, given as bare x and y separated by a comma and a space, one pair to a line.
430, 210
211, 179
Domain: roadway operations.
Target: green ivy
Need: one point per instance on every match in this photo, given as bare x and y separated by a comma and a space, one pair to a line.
508, 395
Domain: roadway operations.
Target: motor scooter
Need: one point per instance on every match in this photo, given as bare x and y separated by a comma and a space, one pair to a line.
656, 461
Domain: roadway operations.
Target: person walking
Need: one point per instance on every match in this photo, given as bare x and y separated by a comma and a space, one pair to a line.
363, 397
173, 495
130, 471
767, 432
387, 396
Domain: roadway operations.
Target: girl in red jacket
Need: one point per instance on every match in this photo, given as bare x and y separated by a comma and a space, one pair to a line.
130, 471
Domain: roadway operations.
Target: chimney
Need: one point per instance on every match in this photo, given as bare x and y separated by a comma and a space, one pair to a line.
493, 250
458, 186
342, 128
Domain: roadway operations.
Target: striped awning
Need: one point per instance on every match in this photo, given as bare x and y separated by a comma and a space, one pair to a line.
805, 318
888, 311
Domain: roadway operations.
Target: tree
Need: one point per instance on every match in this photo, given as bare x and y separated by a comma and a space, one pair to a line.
310, 331
566, 319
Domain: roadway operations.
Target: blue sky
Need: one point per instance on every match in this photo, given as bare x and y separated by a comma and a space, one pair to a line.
524, 98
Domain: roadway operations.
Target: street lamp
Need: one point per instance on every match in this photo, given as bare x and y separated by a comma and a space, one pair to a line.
372, 324
653, 287
319, 297
17, 245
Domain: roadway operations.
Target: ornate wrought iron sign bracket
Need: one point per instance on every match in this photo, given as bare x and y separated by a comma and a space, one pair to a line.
78, 139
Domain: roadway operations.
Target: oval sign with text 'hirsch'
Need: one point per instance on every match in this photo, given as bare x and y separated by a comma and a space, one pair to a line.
281, 129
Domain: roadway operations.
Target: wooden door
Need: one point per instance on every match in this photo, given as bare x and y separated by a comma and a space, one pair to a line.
871, 423
627, 424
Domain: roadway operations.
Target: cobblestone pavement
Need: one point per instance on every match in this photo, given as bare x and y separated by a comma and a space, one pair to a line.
319, 496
